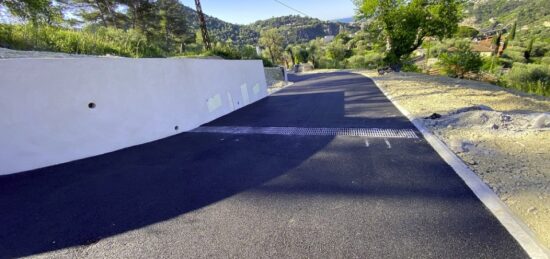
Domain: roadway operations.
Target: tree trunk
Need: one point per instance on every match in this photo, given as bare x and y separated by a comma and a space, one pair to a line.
291, 56
271, 54
113, 18
134, 18
101, 14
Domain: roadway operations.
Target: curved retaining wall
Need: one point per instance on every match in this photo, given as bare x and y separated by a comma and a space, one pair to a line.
58, 110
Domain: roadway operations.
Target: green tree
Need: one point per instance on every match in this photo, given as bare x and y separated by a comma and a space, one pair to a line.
407, 23
35, 11
513, 31
315, 49
505, 44
336, 51
143, 15
302, 56
272, 40
98, 11
173, 24
496, 44
466, 32
461, 61
248, 52
527, 53
290, 51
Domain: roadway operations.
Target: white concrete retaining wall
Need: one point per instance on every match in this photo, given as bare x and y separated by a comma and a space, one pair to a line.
45, 118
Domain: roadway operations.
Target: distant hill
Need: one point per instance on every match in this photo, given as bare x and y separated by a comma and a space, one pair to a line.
345, 20
532, 16
296, 29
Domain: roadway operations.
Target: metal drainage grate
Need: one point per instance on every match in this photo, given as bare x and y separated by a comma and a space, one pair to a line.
359, 132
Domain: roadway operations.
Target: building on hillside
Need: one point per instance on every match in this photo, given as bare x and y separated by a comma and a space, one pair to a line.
328, 39
485, 47
492, 31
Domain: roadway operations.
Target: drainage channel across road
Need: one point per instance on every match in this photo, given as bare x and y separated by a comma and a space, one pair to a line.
290, 131
326, 168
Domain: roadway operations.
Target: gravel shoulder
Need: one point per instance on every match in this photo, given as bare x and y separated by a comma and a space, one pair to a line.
502, 135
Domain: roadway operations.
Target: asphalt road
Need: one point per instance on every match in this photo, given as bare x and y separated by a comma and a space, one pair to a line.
257, 195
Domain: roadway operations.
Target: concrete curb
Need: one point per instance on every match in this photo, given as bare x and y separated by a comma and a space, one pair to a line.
287, 85
517, 228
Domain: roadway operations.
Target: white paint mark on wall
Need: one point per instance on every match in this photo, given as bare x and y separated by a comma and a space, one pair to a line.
387, 143
244, 93
214, 102
230, 101
256, 89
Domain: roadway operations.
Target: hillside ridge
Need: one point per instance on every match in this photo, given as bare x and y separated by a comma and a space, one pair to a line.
295, 28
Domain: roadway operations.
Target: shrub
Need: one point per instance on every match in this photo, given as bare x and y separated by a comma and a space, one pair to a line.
461, 61
91, 41
302, 56
540, 49
529, 78
493, 64
374, 59
545, 61
357, 61
410, 67
466, 32
223, 50
267, 62
435, 49
325, 62
514, 46
248, 52
506, 62
515, 56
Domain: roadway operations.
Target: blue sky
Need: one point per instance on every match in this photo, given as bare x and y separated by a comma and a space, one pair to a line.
248, 11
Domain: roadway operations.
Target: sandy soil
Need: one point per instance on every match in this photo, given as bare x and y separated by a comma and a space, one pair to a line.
503, 135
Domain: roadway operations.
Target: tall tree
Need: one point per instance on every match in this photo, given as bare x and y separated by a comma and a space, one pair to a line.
336, 51
272, 40
291, 54
513, 31
505, 45
496, 44
103, 12
407, 23
143, 15
173, 24
35, 11
527, 53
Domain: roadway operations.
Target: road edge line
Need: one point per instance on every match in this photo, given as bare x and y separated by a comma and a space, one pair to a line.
515, 226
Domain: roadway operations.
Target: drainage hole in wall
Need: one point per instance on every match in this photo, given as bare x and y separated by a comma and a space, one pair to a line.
91, 105
176, 128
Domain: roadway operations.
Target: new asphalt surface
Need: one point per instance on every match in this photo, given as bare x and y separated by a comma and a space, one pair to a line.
257, 196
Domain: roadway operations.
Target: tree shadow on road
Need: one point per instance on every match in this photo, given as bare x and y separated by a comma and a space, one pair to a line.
81, 202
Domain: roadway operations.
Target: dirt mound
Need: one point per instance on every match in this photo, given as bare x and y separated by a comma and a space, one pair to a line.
483, 117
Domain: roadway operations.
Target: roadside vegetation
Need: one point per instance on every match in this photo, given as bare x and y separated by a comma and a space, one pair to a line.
162, 28
490, 40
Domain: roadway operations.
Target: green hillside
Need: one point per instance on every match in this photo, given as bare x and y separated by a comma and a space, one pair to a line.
296, 29
532, 16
